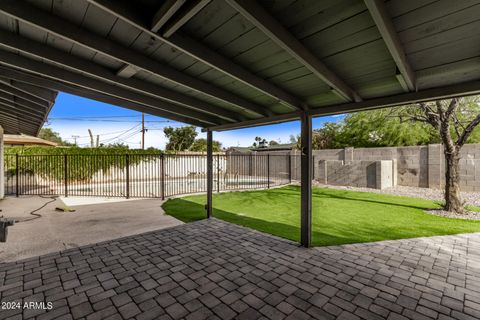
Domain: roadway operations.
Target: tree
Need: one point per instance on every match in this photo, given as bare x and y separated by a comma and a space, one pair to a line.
200, 145
260, 142
273, 143
325, 137
377, 128
50, 135
455, 121
180, 139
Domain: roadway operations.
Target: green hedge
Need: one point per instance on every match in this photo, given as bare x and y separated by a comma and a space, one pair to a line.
82, 164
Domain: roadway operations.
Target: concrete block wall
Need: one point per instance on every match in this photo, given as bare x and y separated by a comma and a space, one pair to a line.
416, 166
356, 173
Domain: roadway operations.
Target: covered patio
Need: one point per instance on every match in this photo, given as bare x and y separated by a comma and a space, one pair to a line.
229, 64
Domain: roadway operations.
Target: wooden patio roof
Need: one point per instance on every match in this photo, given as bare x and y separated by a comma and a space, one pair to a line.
224, 64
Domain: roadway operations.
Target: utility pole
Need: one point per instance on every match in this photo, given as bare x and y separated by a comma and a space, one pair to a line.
143, 131
75, 139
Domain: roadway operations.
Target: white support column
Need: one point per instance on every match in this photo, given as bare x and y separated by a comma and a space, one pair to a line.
2, 173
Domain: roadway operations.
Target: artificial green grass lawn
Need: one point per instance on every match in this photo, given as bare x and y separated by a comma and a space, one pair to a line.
338, 216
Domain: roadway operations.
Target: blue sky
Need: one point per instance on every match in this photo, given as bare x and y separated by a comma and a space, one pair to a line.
115, 124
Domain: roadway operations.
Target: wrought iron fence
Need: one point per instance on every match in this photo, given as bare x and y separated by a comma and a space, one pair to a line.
141, 175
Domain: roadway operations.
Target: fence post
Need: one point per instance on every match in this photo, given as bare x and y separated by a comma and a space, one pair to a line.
289, 167
218, 173
268, 170
162, 179
313, 167
127, 173
65, 174
16, 175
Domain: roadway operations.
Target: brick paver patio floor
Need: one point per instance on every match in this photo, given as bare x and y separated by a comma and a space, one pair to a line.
213, 269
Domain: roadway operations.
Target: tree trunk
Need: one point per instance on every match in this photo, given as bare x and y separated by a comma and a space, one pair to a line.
453, 201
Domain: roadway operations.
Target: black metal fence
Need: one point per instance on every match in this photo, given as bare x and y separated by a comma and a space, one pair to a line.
141, 175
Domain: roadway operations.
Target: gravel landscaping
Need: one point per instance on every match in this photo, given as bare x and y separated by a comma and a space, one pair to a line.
469, 215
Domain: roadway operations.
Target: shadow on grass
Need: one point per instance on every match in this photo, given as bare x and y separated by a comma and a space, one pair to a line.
347, 195
338, 232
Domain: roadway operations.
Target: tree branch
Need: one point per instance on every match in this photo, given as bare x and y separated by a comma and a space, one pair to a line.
462, 139
451, 108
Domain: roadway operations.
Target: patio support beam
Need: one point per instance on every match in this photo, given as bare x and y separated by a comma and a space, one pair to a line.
62, 75
306, 180
21, 94
445, 92
205, 54
390, 37
209, 205
183, 16
64, 29
166, 11
47, 53
46, 95
261, 19
22, 78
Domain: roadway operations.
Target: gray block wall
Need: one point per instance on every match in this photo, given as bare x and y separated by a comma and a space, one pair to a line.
416, 166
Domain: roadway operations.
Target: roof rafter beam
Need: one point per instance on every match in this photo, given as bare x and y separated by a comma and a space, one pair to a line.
203, 53
44, 94
63, 75
14, 125
384, 24
66, 30
446, 92
26, 78
30, 47
21, 94
183, 16
12, 109
22, 102
262, 19
166, 11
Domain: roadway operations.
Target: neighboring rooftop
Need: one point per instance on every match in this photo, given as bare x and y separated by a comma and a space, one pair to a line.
275, 147
25, 140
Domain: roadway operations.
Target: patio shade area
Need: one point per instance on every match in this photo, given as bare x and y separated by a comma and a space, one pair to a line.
224, 64
216, 270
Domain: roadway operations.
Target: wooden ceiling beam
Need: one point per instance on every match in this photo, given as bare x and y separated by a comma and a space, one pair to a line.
199, 51
64, 29
21, 94
58, 57
183, 15
166, 11
36, 80
384, 24
445, 92
62, 75
262, 19
43, 94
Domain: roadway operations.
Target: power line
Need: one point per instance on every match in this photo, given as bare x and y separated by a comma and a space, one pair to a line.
120, 135
107, 120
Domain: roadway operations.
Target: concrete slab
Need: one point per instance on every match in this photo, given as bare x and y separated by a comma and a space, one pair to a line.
90, 223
